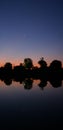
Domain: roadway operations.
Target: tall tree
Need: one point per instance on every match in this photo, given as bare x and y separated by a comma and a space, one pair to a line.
42, 63
28, 63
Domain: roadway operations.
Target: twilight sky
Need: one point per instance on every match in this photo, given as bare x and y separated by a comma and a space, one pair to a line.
31, 28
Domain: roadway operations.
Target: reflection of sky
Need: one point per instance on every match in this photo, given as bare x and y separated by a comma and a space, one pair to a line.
31, 29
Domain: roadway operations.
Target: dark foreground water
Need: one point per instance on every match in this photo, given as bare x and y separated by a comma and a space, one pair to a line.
22, 107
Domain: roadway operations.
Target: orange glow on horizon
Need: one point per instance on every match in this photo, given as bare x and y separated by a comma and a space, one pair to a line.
18, 62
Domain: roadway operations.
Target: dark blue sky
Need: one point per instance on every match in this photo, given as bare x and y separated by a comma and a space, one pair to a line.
31, 28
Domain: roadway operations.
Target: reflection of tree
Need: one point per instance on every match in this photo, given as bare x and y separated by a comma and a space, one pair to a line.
56, 82
28, 83
8, 81
42, 84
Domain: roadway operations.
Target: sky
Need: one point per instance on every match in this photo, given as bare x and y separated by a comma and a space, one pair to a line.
31, 28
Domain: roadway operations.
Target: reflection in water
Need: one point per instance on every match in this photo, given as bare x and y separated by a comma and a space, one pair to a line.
8, 81
42, 84
28, 82
31, 108
56, 83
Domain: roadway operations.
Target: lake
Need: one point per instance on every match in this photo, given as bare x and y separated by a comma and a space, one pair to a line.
31, 104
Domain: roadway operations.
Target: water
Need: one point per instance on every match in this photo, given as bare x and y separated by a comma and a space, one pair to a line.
31, 104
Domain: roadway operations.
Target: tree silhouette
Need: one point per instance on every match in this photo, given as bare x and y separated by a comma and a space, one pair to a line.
28, 63
55, 65
27, 70
42, 63
8, 65
7, 70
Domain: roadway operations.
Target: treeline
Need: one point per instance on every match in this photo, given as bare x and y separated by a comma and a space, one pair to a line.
28, 70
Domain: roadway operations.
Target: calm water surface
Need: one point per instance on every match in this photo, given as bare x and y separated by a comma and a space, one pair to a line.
30, 105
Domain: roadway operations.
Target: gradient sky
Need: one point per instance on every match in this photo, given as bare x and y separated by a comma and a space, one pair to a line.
31, 28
